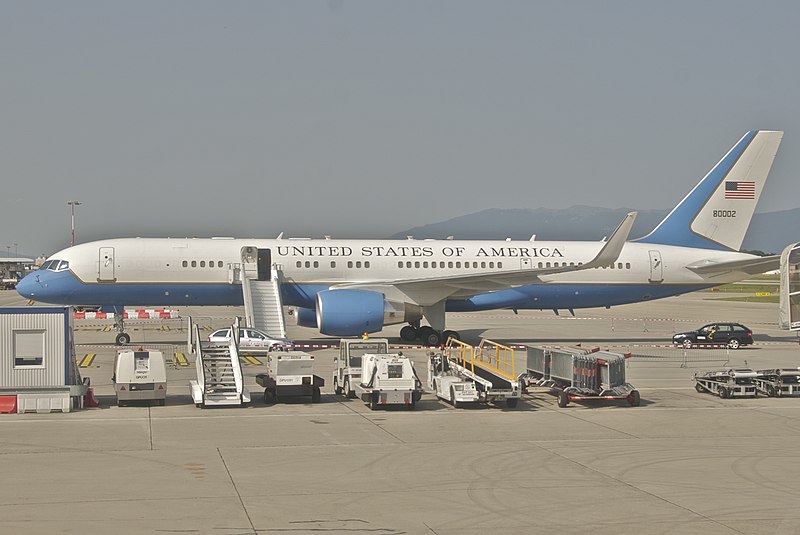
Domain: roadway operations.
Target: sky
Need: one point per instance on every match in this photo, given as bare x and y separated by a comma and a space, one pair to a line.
364, 118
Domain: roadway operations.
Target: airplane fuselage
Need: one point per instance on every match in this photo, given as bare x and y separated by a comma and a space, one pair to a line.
201, 271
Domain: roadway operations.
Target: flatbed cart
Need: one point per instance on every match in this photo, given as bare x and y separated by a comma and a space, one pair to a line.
727, 382
290, 374
579, 375
778, 382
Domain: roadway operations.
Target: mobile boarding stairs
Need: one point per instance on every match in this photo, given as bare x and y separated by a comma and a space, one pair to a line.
219, 373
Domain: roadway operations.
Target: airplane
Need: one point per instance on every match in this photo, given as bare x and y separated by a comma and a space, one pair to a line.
351, 287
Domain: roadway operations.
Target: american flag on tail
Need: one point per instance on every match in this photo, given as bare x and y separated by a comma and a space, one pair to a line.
740, 190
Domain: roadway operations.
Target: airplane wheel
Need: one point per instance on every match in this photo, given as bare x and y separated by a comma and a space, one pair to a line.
408, 333
447, 335
429, 337
634, 399
123, 338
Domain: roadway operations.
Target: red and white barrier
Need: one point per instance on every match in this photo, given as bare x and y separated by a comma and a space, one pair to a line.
150, 314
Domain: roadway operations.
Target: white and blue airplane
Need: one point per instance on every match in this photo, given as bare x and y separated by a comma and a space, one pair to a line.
348, 287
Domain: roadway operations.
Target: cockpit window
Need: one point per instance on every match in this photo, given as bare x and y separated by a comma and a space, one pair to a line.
62, 266
56, 265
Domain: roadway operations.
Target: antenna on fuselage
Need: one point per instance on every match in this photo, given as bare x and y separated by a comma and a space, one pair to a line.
280, 236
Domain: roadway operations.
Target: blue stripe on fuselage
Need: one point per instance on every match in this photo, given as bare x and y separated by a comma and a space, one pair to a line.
65, 288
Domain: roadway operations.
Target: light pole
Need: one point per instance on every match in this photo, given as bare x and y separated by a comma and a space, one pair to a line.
16, 253
72, 205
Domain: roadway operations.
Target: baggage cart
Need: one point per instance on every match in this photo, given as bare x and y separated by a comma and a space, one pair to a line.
727, 382
778, 382
576, 374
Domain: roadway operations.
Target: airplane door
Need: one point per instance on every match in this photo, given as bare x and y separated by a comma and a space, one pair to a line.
656, 267
105, 268
525, 263
264, 264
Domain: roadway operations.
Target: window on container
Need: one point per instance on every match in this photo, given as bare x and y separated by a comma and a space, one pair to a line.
28, 347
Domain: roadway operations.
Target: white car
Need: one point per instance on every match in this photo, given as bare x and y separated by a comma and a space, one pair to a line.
251, 338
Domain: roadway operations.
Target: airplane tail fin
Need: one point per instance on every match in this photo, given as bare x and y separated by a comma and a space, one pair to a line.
717, 212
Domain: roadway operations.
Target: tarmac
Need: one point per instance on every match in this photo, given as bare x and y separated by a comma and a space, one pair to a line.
683, 462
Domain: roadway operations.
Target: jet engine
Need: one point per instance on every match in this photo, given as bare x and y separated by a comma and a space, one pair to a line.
354, 312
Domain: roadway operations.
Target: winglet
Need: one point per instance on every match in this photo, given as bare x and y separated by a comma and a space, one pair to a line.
613, 247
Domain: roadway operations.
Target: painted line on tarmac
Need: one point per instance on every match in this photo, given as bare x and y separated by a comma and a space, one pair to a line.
87, 360
181, 358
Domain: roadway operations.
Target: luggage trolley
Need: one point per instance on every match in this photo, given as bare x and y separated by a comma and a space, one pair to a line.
778, 382
727, 382
580, 375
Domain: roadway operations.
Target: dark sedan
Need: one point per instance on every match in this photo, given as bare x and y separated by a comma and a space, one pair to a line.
732, 335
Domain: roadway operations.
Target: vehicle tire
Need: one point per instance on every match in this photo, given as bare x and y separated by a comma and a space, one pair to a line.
778, 392
699, 388
411, 406
316, 395
348, 393
447, 335
269, 396
456, 404
123, 338
408, 333
687, 344
563, 399
723, 392
336, 388
634, 399
373, 401
511, 402
733, 343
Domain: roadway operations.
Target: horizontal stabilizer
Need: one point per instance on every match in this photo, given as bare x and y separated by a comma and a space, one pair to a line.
751, 266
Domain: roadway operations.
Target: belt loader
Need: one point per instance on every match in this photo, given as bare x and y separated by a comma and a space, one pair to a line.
581, 375
464, 374
388, 379
727, 382
778, 382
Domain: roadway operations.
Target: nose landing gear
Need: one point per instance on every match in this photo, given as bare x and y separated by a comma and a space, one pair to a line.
119, 323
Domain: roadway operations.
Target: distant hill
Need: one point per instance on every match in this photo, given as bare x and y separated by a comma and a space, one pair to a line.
769, 232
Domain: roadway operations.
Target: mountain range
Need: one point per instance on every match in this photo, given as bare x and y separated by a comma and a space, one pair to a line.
769, 232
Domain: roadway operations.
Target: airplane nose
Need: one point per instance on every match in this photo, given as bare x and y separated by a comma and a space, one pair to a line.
28, 286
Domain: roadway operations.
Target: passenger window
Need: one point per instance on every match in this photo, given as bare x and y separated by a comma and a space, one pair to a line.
491, 264
316, 263
366, 264
619, 266
299, 264
450, 265
627, 265
424, 264
408, 264
333, 264
547, 264
475, 264
202, 263
308, 264
358, 263
350, 263
219, 264
194, 263
499, 264
416, 264
185, 263
400, 264
483, 265
541, 265
458, 264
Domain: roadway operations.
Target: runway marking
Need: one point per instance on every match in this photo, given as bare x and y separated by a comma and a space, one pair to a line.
87, 360
181, 358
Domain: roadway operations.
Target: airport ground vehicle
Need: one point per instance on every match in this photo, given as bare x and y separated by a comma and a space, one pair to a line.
251, 338
388, 379
581, 375
140, 375
462, 373
732, 335
727, 382
347, 364
290, 374
778, 382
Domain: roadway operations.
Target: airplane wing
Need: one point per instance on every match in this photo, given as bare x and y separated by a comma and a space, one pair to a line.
751, 266
434, 289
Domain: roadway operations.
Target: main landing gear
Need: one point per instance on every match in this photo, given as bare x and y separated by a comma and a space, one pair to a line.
427, 335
